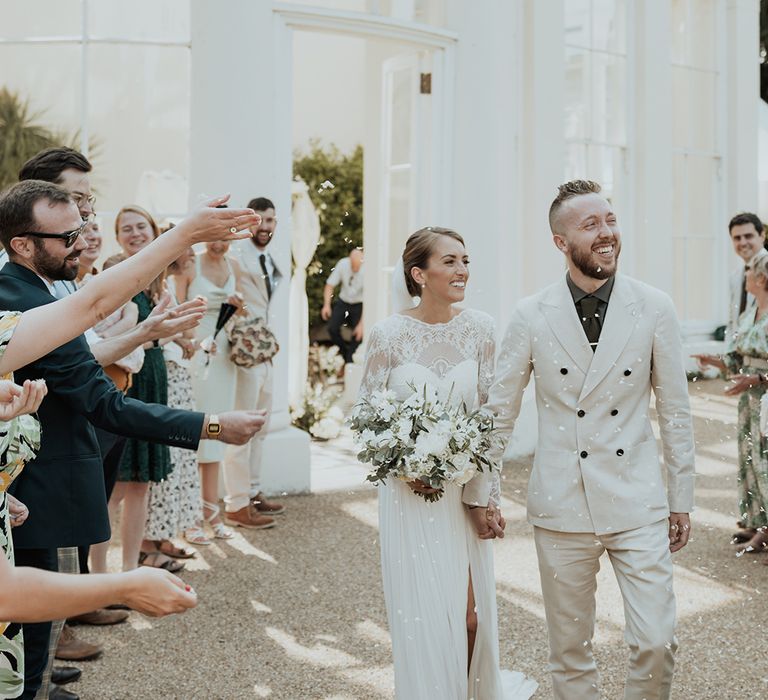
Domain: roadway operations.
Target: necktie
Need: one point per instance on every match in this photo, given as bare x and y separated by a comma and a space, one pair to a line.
263, 261
590, 319
743, 302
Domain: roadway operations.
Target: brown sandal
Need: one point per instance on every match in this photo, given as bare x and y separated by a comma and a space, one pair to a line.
169, 564
171, 550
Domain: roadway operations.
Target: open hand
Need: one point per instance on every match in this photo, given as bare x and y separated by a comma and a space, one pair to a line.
208, 223
17, 511
739, 383
156, 592
705, 361
17, 400
679, 530
238, 427
165, 321
325, 312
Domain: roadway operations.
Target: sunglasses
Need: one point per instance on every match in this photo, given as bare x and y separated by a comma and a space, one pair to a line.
69, 237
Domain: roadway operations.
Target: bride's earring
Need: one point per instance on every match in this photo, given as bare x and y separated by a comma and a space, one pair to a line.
423, 286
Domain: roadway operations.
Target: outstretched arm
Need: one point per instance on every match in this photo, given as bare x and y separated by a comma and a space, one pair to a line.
44, 328
33, 595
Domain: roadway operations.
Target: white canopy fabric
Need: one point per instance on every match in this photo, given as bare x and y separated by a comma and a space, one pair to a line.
305, 235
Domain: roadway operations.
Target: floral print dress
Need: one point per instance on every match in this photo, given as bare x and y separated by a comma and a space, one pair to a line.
19, 443
751, 340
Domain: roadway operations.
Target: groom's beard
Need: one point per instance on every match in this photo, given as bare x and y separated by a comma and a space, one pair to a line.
587, 266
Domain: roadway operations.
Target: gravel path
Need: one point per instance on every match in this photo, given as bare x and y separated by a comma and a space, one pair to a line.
297, 612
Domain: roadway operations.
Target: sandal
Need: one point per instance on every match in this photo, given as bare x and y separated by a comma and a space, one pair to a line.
171, 550
220, 530
169, 564
196, 535
743, 535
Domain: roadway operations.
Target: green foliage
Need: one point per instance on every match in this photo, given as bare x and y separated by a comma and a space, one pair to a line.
340, 207
21, 136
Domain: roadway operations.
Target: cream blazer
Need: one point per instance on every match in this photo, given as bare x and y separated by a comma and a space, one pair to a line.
254, 287
597, 467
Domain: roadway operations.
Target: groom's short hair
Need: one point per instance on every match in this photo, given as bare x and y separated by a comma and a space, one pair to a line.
566, 191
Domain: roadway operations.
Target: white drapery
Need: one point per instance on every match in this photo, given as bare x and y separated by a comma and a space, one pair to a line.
305, 235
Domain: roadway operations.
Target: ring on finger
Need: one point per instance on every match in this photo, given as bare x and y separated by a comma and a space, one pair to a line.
232, 229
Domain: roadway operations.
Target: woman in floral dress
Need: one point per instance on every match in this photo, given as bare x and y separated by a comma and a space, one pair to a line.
746, 364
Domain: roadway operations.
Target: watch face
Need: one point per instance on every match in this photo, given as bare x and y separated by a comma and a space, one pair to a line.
214, 428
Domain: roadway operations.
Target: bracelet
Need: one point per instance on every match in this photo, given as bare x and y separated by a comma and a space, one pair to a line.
155, 343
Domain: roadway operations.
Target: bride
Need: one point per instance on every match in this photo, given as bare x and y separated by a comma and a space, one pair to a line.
436, 558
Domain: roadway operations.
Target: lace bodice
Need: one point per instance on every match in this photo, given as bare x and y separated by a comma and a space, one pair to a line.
455, 358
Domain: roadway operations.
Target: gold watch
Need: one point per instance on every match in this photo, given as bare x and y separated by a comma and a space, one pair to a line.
213, 429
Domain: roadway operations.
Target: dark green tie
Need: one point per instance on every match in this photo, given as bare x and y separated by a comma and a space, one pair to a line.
590, 320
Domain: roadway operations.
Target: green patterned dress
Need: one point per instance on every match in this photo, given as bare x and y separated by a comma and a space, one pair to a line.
19, 443
751, 340
147, 461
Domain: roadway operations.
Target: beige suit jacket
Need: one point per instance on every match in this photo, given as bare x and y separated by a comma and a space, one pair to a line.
253, 284
597, 465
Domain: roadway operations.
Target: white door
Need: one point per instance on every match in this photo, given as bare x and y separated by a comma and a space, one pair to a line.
414, 158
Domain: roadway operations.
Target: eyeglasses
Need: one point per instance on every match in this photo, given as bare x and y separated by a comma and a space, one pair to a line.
81, 198
69, 237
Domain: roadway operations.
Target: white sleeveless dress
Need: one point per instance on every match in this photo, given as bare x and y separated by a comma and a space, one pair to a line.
429, 549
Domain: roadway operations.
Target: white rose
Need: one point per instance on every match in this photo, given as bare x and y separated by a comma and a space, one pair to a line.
464, 470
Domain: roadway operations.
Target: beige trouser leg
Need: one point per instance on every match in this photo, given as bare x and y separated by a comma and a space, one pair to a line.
242, 464
568, 564
69, 563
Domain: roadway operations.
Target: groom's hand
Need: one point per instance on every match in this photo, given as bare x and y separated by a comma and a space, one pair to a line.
487, 522
679, 531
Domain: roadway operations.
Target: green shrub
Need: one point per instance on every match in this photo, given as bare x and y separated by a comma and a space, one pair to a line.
335, 183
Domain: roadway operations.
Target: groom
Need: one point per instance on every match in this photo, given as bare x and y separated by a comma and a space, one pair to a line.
597, 344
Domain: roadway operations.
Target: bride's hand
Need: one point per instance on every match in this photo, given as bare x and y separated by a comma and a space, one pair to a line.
418, 486
18, 400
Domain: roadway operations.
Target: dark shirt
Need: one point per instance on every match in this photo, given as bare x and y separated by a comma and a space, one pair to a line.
603, 296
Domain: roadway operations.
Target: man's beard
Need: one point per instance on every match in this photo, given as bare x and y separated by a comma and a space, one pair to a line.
53, 268
584, 263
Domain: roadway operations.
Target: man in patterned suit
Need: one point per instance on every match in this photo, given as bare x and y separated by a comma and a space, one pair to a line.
246, 505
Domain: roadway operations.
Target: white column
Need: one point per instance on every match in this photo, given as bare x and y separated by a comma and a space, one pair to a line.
742, 76
240, 142
486, 192
542, 140
651, 84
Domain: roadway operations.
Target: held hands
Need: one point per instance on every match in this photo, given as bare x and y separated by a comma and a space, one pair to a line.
17, 400
156, 592
489, 523
679, 530
17, 511
211, 224
238, 427
164, 322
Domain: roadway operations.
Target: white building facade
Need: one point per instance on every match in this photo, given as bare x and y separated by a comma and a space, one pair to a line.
470, 113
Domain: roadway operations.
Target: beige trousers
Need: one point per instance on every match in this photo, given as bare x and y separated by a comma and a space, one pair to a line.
242, 464
568, 564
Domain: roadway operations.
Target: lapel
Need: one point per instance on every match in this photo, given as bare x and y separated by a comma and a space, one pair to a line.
250, 260
20, 272
560, 312
621, 318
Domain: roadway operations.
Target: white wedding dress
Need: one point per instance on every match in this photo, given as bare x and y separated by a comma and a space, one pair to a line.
429, 549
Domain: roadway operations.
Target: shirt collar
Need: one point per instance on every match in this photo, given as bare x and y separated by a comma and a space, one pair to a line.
603, 293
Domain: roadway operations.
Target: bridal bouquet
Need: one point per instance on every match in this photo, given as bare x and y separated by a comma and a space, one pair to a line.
421, 438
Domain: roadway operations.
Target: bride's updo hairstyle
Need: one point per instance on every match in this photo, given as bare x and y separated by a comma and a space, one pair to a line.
418, 249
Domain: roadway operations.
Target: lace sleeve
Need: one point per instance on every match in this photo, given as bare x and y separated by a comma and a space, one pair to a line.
377, 363
486, 364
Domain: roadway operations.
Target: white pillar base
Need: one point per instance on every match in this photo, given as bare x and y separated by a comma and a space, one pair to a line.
286, 462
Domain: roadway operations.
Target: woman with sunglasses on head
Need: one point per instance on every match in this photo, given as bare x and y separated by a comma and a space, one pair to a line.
34, 216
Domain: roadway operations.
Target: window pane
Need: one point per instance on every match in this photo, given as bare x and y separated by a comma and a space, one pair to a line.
48, 77
577, 86
149, 20
399, 212
609, 25
39, 18
401, 115
701, 122
141, 127
679, 31
702, 196
680, 104
702, 35
577, 24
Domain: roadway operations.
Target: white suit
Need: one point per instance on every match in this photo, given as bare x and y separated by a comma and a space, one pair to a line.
597, 484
